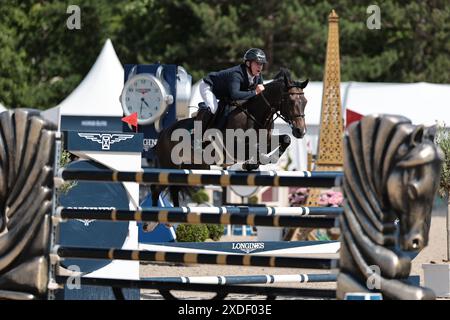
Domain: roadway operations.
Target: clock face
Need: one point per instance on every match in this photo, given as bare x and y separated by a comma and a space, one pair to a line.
144, 93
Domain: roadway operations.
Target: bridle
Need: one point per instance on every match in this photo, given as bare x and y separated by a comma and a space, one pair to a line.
284, 97
277, 110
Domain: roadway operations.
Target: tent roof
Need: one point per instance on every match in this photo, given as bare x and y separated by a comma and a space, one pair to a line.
2, 107
423, 103
98, 93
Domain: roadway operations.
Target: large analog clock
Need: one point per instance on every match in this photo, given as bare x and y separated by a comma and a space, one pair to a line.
145, 94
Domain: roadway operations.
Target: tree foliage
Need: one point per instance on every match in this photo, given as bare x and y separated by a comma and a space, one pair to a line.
42, 61
443, 141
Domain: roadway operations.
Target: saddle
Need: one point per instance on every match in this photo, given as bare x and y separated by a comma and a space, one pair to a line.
219, 119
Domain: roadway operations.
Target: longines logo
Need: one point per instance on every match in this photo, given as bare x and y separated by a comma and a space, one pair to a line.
149, 143
106, 139
87, 222
247, 247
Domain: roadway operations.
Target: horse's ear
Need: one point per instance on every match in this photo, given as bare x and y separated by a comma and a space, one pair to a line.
417, 135
304, 84
430, 132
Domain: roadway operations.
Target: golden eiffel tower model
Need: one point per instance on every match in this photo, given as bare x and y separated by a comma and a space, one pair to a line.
330, 147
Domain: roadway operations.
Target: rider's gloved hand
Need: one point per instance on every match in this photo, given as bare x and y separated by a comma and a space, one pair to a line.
259, 88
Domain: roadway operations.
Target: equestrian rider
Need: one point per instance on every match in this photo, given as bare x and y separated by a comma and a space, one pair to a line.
240, 82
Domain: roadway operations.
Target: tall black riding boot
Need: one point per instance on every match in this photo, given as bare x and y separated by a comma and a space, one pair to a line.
204, 115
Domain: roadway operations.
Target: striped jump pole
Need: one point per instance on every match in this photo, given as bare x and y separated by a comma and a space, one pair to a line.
255, 279
270, 291
315, 179
194, 258
165, 216
267, 211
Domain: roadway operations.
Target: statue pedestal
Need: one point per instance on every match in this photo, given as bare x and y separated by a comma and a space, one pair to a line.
437, 278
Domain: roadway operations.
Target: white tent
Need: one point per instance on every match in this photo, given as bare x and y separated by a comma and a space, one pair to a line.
2, 107
423, 103
98, 93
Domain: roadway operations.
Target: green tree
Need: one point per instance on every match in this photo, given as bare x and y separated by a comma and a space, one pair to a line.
42, 61
443, 141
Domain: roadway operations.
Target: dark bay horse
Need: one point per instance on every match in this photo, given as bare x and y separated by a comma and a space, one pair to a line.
283, 97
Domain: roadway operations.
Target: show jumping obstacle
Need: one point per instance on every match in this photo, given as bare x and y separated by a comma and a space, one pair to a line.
390, 173
206, 177
261, 279
166, 216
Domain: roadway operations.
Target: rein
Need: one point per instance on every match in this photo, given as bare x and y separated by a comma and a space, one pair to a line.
270, 119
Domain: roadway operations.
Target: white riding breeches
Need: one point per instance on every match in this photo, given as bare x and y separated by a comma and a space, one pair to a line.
208, 96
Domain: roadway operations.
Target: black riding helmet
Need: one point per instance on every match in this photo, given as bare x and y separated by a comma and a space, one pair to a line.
255, 54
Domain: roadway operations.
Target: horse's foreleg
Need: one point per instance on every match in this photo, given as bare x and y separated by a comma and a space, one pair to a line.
282, 144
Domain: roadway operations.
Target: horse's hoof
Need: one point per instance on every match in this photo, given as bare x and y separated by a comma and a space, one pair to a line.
250, 166
149, 226
264, 158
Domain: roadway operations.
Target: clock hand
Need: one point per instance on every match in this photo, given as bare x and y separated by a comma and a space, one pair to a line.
145, 102
141, 108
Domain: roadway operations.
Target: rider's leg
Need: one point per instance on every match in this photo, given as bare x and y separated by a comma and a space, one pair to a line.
208, 108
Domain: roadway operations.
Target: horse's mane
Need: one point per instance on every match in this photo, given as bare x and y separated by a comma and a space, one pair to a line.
285, 75
282, 73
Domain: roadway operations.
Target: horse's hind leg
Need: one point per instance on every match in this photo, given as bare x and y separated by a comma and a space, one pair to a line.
149, 226
156, 191
174, 195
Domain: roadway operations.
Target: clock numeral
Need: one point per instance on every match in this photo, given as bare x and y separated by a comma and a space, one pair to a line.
143, 81
128, 98
130, 90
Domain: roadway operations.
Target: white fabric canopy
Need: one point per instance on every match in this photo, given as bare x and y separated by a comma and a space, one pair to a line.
98, 93
422, 103
2, 107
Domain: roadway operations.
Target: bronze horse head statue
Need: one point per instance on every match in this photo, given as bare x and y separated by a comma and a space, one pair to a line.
391, 175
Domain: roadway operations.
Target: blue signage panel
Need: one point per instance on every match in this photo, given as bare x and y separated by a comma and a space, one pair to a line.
103, 141
91, 123
161, 233
93, 233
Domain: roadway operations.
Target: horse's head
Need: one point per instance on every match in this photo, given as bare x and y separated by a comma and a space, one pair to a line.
293, 103
411, 188
391, 174
395, 166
